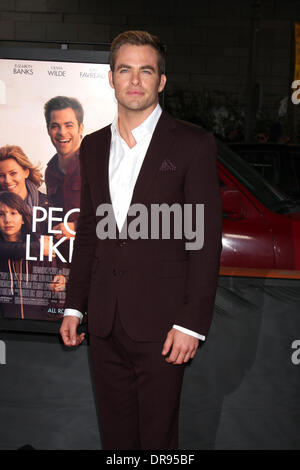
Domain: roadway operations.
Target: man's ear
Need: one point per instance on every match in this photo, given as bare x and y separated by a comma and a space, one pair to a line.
81, 127
111, 78
162, 84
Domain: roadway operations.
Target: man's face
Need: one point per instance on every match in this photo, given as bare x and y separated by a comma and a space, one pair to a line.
65, 132
135, 78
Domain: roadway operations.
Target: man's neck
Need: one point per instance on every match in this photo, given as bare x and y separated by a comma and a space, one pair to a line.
65, 160
129, 120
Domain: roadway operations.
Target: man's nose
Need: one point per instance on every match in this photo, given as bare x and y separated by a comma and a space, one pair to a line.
135, 78
60, 132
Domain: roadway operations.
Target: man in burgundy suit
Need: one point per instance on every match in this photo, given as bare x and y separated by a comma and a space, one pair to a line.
149, 300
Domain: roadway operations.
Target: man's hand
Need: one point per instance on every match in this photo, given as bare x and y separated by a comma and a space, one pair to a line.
184, 347
68, 331
64, 232
59, 283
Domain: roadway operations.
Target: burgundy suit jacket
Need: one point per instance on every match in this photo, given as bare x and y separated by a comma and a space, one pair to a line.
155, 282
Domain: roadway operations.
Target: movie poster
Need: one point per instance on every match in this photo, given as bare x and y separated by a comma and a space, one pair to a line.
40, 176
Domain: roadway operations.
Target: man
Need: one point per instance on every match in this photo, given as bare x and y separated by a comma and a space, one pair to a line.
149, 301
64, 118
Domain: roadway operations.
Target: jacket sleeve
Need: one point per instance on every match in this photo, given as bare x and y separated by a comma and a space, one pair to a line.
84, 246
202, 187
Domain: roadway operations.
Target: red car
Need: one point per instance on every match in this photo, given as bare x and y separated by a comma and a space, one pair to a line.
261, 225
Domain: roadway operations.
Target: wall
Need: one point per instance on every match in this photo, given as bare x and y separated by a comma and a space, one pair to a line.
207, 41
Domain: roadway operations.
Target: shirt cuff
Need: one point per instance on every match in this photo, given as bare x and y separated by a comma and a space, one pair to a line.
189, 332
73, 312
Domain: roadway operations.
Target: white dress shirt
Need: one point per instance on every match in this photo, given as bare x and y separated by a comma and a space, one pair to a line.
124, 167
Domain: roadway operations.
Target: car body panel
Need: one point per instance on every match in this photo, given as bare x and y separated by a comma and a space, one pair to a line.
254, 236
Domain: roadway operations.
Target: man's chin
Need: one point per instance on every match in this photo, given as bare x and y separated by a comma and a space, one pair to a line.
138, 107
62, 151
66, 153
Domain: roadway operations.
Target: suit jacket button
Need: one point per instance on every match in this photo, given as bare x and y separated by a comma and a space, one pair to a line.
121, 243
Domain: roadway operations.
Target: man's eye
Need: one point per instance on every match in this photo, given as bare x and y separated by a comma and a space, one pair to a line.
123, 70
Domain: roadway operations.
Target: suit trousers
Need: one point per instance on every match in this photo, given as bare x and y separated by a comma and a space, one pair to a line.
137, 392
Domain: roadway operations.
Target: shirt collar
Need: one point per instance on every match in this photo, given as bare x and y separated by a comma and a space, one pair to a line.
147, 126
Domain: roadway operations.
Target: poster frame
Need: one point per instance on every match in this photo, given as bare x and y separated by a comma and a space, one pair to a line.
70, 52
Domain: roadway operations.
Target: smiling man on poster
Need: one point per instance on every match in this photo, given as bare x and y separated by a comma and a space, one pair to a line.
64, 119
149, 301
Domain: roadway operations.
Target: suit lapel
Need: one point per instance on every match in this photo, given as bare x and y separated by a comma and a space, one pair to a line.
161, 142
162, 139
103, 163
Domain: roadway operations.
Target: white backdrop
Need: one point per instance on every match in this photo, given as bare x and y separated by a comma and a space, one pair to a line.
26, 85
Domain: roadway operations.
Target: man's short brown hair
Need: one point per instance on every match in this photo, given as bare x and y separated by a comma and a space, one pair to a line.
62, 102
138, 38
